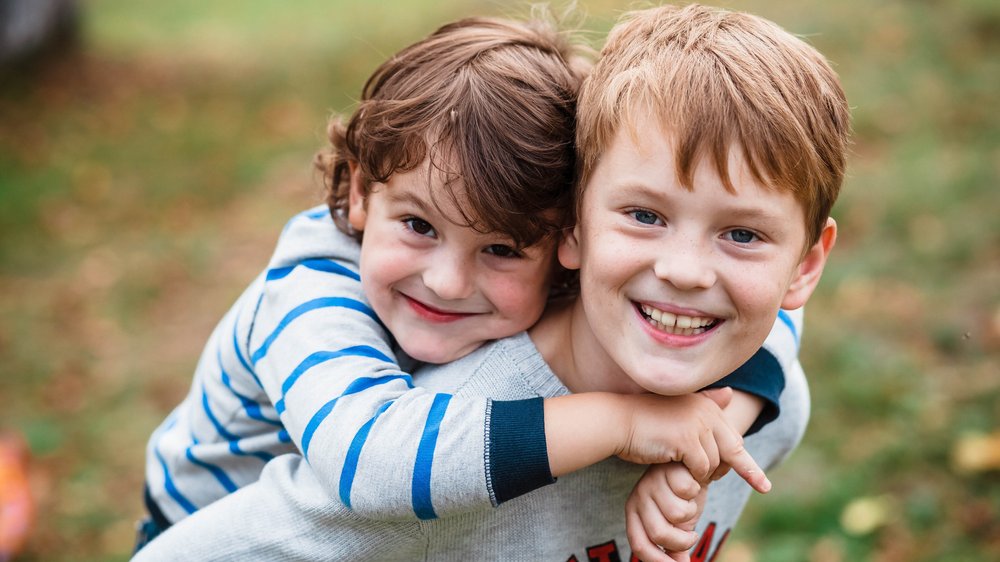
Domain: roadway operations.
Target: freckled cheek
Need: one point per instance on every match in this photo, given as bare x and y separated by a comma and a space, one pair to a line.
610, 264
755, 293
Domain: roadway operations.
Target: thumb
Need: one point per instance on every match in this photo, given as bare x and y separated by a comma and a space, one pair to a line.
721, 396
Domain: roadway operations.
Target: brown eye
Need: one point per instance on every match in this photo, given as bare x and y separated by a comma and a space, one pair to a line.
419, 226
502, 251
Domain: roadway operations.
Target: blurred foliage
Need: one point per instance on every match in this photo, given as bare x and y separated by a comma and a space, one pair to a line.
145, 174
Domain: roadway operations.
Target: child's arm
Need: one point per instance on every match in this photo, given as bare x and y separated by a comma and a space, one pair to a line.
652, 514
583, 429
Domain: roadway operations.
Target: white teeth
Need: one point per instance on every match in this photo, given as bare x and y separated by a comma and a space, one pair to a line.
668, 319
676, 324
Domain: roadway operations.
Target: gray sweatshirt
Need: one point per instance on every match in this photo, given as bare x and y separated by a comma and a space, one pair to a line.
287, 516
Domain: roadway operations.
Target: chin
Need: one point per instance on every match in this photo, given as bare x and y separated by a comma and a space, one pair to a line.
432, 354
668, 385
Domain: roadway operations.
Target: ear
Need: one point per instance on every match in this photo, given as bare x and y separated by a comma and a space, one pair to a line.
357, 212
569, 248
811, 268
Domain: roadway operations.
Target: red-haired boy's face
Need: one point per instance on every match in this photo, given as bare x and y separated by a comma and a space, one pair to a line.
681, 287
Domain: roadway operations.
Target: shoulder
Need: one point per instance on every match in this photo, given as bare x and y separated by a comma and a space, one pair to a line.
506, 369
772, 444
312, 234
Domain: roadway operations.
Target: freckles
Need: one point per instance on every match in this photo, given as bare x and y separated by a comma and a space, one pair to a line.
608, 260
761, 298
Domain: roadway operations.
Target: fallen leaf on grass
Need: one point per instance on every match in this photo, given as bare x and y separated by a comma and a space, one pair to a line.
976, 452
863, 516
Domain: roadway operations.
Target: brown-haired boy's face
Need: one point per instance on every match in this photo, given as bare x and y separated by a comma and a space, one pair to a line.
441, 288
681, 287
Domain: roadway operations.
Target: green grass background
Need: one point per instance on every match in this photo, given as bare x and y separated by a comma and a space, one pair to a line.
145, 176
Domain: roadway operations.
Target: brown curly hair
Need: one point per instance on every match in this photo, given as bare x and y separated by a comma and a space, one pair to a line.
492, 104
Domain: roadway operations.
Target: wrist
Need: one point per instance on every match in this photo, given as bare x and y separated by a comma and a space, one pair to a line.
583, 429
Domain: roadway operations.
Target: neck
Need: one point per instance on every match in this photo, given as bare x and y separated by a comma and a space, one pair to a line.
566, 342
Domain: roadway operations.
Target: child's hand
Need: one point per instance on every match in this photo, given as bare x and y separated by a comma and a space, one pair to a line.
692, 430
661, 513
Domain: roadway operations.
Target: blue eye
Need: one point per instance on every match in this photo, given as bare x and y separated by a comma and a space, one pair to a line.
742, 236
419, 226
644, 217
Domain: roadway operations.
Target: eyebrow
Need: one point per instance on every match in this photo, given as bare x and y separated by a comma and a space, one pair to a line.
755, 213
402, 196
631, 188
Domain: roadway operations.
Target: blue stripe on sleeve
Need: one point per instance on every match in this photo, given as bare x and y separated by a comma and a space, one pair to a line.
328, 266
251, 407
253, 320
354, 454
325, 266
232, 438
168, 484
279, 272
321, 357
234, 448
358, 385
787, 319
239, 353
422, 504
317, 213
322, 302
215, 421
217, 472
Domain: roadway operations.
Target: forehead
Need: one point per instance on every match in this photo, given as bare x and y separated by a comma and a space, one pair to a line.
431, 189
640, 163
648, 149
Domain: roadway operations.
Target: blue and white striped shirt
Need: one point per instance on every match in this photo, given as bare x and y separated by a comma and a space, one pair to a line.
301, 363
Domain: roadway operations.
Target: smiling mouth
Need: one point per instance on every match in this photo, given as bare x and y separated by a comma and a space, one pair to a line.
677, 324
436, 314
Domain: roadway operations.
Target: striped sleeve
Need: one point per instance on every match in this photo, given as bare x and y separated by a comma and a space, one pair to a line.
763, 374
372, 438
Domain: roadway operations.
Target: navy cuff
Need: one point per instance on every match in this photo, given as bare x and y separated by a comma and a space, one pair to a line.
761, 376
155, 513
519, 459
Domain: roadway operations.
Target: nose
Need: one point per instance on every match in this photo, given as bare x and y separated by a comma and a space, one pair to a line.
686, 264
450, 276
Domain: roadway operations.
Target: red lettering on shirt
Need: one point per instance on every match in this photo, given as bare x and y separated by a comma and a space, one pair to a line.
719, 547
700, 553
607, 552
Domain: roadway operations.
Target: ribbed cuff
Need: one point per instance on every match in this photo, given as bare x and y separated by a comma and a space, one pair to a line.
518, 456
